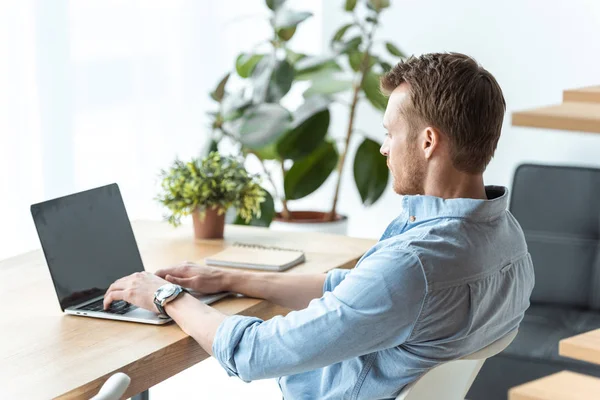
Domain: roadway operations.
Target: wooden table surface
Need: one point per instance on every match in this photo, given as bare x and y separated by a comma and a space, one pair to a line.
584, 347
564, 385
47, 354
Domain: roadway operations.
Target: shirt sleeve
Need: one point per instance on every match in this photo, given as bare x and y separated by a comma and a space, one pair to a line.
333, 278
373, 308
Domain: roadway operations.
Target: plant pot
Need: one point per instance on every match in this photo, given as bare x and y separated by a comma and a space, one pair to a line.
211, 227
311, 221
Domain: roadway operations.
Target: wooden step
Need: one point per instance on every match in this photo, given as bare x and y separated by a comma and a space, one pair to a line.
587, 94
584, 347
571, 116
563, 385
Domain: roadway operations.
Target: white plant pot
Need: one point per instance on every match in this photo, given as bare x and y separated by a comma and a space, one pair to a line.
339, 227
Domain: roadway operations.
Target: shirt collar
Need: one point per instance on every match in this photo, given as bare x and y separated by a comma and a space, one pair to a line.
421, 208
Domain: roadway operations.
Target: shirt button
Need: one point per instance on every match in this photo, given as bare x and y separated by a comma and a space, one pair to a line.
412, 218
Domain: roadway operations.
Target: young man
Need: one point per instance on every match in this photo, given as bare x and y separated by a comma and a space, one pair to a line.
450, 275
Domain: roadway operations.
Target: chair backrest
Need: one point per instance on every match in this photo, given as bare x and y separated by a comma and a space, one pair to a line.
452, 380
114, 388
558, 208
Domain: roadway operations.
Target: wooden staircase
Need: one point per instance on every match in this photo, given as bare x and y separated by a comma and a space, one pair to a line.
579, 111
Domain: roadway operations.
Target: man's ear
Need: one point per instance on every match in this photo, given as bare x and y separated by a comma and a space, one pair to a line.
430, 141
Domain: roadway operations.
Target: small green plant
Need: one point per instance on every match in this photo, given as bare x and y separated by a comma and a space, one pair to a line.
216, 181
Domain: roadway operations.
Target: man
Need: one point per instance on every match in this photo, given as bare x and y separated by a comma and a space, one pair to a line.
450, 275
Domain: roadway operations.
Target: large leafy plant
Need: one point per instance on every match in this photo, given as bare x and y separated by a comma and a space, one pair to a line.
297, 141
217, 181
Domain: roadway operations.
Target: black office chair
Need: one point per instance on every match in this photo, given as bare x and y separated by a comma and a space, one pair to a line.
558, 208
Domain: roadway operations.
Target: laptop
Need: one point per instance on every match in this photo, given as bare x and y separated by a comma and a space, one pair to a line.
88, 243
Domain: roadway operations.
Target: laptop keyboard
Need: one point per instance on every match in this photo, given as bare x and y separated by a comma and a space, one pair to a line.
117, 307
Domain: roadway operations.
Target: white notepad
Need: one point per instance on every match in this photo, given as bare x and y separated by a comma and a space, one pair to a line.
255, 256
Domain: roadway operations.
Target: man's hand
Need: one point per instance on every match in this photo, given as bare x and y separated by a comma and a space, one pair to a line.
196, 277
137, 289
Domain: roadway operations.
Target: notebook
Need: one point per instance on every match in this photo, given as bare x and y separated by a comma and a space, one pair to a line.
255, 256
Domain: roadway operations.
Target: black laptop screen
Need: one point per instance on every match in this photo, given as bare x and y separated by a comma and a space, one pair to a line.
88, 242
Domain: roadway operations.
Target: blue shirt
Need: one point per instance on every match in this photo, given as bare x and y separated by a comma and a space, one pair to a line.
447, 278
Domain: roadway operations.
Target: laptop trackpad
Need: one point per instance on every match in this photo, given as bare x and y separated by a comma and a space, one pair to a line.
141, 314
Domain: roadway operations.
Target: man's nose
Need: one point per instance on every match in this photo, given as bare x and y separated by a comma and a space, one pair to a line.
383, 150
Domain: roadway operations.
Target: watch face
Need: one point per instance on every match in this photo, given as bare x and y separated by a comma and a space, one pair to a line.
166, 291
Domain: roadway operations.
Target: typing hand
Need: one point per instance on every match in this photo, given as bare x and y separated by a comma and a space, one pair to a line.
199, 278
137, 289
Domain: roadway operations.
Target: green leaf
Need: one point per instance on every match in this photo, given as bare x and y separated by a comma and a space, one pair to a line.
267, 213
219, 92
234, 105
274, 4
309, 173
350, 4
214, 146
372, 20
286, 18
286, 34
379, 5
339, 34
308, 130
350, 45
395, 51
293, 57
271, 79
261, 76
311, 63
385, 66
355, 59
245, 63
309, 67
370, 172
371, 88
327, 86
281, 81
263, 125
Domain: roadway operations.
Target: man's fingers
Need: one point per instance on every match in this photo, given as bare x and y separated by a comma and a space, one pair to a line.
184, 270
113, 295
179, 281
164, 271
117, 285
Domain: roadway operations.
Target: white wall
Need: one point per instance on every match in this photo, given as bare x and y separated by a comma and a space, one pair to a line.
535, 49
108, 91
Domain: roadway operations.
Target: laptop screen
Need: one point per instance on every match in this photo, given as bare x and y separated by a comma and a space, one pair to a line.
87, 241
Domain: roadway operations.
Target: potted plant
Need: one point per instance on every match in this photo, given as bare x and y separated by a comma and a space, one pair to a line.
206, 188
295, 150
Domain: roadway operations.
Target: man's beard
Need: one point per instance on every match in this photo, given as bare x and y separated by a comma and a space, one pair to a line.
410, 179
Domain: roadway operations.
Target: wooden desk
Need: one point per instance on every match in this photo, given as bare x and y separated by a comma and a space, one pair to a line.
563, 385
584, 347
46, 354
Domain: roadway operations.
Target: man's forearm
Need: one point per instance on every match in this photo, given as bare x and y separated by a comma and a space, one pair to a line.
196, 319
293, 291
201, 322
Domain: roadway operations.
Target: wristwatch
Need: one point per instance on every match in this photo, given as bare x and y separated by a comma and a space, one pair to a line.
165, 294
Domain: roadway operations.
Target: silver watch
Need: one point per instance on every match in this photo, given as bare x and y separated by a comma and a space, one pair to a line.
165, 294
